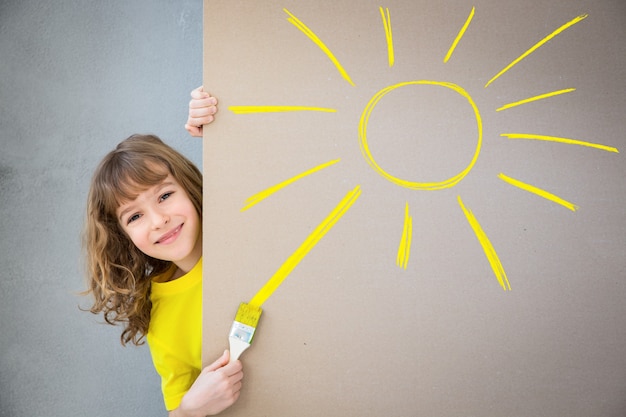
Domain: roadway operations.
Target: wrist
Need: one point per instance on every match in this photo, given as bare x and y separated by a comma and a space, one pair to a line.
181, 412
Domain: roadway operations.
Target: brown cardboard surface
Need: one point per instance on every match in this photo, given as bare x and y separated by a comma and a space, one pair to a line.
351, 333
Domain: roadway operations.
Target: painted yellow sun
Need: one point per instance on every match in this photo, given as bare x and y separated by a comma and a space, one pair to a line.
370, 108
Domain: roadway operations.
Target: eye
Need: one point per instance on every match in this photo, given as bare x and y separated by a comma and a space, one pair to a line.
166, 196
133, 218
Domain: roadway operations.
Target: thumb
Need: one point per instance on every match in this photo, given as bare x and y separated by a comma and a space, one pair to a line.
220, 362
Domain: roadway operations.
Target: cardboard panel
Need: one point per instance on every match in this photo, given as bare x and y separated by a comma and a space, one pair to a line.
447, 226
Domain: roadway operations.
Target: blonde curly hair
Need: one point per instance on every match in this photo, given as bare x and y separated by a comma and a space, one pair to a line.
119, 274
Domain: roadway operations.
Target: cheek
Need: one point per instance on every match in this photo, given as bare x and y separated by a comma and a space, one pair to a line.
137, 238
190, 212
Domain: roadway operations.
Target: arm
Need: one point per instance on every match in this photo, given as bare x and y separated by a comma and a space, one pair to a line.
202, 109
216, 388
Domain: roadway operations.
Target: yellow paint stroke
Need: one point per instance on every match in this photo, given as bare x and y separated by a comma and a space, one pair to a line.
538, 191
277, 279
537, 46
560, 140
460, 35
490, 252
450, 182
257, 198
404, 250
276, 109
388, 35
536, 98
308, 32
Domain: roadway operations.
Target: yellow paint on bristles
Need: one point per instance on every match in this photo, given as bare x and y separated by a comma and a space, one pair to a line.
243, 329
248, 314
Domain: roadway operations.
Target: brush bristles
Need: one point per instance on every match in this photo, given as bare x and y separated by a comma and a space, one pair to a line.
248, 315
245, 323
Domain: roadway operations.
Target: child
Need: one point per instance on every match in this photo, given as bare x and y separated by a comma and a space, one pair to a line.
143, 241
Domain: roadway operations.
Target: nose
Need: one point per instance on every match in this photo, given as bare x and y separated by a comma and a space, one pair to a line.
159, 219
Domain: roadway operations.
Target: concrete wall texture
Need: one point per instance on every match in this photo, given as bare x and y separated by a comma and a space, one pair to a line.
77, 77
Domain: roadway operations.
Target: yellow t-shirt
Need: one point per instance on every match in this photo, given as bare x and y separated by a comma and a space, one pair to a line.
175, 332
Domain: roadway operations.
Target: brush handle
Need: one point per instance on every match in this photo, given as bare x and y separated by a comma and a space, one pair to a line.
237, 347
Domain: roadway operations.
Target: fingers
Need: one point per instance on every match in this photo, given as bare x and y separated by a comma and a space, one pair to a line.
234, 376
194, 131
234, 369
198, 92
216, 388
202, 109
228, 379
219, 362
201, 98
222, 363
199, 116
199, 109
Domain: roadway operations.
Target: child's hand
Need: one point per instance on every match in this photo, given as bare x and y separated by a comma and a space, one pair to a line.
202, 109
216, 388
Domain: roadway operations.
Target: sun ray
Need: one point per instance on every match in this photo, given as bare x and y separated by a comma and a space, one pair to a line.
388, 35
538, 191
536, 98
311, 35
324, 227
460, 35
559, 140
276, 109
537, 45
257, 198
404, 249
488, 248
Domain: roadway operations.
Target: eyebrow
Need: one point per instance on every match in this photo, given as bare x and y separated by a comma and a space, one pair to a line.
123, 213
157, 190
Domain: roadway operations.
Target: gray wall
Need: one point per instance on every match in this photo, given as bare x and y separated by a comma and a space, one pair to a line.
76, 78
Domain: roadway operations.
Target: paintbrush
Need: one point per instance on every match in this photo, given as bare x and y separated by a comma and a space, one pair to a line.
242, 330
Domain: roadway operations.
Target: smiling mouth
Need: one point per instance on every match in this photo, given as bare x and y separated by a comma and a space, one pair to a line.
170, 236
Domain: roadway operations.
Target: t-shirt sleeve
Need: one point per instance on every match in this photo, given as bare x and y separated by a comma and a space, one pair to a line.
176, 376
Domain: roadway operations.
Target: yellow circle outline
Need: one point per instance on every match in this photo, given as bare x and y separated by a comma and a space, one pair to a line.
450, 182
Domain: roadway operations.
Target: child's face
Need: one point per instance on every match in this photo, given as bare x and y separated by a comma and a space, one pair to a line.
164, 224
